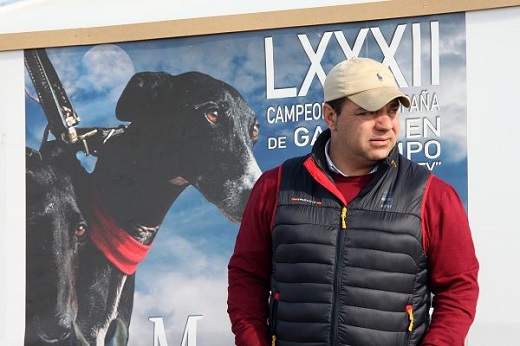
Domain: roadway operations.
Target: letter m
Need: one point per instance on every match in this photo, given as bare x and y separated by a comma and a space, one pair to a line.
189, 337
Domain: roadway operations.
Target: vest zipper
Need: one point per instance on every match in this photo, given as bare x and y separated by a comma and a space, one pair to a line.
409, 311
275, 297
344, 218
339, 257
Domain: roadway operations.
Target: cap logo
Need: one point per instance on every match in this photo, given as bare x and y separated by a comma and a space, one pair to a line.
366, 82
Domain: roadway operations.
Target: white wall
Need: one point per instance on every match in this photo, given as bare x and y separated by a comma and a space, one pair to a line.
493, 74
36, 15
12, 199
494, 195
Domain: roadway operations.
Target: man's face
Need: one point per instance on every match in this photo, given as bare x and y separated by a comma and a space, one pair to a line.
360, 138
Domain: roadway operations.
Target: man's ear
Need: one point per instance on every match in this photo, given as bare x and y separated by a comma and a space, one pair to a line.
329, 116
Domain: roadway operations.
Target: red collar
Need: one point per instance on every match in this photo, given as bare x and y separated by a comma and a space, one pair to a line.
118, 246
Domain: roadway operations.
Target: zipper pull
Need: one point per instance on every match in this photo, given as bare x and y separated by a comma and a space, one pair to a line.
409, 310
274, 308
344, 218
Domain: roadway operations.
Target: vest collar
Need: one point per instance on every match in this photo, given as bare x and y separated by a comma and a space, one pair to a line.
321, 157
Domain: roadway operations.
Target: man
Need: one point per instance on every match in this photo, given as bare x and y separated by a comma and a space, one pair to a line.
346, 246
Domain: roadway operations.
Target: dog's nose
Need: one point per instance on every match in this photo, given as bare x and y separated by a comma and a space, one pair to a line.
57, 330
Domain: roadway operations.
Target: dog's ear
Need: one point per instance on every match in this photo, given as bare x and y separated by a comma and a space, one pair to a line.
142, 95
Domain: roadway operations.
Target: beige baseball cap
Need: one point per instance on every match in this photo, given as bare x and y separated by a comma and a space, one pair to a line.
366, 82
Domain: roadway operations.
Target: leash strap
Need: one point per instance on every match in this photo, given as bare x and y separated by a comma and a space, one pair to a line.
51, 94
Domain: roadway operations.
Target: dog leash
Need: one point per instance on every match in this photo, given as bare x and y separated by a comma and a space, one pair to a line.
58, 109
61, 117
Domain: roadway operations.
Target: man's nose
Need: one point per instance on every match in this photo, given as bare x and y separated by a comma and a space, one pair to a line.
384, 120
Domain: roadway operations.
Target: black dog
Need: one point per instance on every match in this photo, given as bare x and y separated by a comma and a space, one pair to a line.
57, 229
189, 129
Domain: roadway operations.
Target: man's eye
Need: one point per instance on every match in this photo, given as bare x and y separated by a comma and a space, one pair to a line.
393, 111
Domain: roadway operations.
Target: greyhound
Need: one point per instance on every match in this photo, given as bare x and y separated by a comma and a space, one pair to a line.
188, 129
57, 228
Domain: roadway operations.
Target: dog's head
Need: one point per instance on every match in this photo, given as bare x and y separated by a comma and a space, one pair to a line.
56, 228
197, 130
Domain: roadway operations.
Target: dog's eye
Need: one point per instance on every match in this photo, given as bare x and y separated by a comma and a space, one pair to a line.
212, 116
256, 131
80, 231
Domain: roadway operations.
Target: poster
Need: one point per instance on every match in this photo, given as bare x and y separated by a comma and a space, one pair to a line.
181, 284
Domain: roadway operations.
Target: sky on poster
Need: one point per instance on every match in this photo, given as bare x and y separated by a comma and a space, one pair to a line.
185, 272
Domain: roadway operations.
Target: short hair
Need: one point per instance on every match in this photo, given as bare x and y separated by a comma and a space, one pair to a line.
337, 104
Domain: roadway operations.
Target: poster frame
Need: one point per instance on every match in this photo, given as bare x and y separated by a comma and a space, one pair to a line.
384, 9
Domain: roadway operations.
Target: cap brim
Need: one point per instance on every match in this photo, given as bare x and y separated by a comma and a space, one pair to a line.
374, 99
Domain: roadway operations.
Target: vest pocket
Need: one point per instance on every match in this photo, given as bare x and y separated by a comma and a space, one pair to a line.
273, 310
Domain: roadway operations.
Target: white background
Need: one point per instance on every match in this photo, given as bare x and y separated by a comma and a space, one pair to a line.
36, 15
493, 75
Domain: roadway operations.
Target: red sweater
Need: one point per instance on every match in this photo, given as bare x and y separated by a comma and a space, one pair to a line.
453, 266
